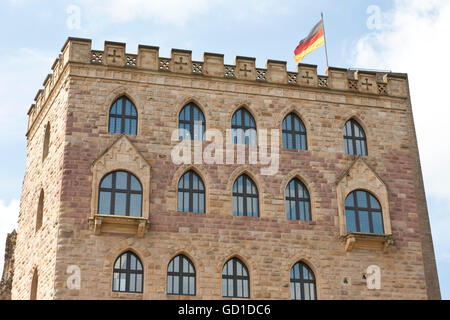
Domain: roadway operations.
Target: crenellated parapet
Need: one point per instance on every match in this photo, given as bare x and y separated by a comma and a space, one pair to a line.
77, 50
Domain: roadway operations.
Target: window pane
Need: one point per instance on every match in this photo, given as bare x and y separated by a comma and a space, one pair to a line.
350, 202
169, 284
230, 288
246, 289
374, 204
239, 288
116, 282
297, 291
192, 286
118, 126
377, 220
195, 203
133, 129
121, 180
186, 202
180, 202
185, 285
135, 184
132, 282
364, 221
312, 291
133, 262
107, 182
127, 126
176, 267
201, 208
135, 205
351, 222
123, 282
362, 199
120, 204
176, 285
139, 283
235, 206
224, 288
105, 203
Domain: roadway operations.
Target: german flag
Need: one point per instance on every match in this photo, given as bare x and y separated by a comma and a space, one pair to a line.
314, 40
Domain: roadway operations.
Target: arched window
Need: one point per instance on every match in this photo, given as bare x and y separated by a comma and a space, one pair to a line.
46, 145
245, 197
40, 211
294, 133
191, 193
181, 277
243, 128
34, 285
123, 117
120, 194
355, 139
298, 205
303, 283
363, 213
192, 123
235, 280
128, 274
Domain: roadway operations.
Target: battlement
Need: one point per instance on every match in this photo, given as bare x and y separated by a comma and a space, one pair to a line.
78, 50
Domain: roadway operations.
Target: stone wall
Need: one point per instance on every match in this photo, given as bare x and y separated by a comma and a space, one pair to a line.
8, 268
269, 245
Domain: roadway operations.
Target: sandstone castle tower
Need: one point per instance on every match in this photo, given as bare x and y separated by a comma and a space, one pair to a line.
107, 214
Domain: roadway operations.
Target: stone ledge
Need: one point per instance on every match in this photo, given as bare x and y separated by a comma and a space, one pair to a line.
354, 240
118, 224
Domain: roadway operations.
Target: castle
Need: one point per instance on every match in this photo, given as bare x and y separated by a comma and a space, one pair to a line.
106, 212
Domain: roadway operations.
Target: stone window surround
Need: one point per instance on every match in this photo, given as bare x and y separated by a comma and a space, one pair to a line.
120, 156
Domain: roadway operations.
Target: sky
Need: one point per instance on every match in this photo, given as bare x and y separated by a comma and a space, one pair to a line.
408, 36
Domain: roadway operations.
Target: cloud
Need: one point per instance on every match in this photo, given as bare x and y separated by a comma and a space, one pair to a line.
171, 11
8, 217
413, 39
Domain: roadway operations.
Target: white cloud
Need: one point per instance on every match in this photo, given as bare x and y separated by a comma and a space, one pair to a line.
172, 11
414, 38
8, 218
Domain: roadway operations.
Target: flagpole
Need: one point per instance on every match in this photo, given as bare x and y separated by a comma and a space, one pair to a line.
325, 39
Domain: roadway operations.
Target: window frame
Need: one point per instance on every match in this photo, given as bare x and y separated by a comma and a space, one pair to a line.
113, 191
294, 133
46, 145
127, 271
123, 116
192, 123
356, 209
191, 191
353, 138
245, 195
298, 201
235, 277
235, 127
302, 281
181, 275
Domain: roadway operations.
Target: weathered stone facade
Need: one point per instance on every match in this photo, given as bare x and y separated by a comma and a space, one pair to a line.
76, 103
8, 269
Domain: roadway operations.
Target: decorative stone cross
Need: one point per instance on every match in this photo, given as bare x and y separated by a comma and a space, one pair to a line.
307, 77
245, 69
181, 63
114, 55
367, 84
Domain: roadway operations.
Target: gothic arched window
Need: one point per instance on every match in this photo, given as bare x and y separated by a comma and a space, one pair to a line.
191, 193
40, 211
245, 197
34, 285
123, 117
294, 133
120, 194
235, 280
128, 274
303, 283
192, 123
46, 145
363, 213
243, 128
298, 206
181, 277
355, 139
